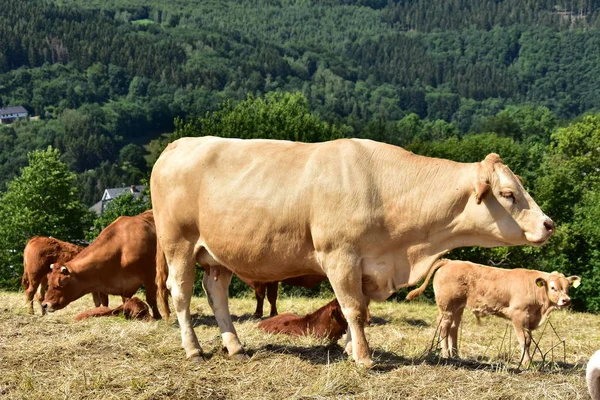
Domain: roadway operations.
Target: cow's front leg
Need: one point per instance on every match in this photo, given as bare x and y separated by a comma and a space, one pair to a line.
181, 284
345, 276
272, 296
260, 289
217, 292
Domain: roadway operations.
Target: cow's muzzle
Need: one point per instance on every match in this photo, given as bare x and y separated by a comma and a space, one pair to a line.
47, 307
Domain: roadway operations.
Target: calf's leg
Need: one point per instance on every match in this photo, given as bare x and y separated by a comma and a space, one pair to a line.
445, 322
524, 337
453, 333
217, 292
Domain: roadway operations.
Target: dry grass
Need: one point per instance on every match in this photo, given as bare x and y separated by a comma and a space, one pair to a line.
110, 358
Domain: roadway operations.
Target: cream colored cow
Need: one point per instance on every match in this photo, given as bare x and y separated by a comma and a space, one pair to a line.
524, 296
371, 217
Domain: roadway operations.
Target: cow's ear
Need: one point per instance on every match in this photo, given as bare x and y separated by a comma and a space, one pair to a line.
64, 270
541, 282
575, 281
481, 189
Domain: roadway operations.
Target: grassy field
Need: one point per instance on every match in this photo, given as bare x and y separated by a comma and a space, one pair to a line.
54, 357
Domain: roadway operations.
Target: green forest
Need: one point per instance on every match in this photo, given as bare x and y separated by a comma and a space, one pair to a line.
109, 83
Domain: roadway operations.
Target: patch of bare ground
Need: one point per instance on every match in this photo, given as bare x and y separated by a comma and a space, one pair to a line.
54, 357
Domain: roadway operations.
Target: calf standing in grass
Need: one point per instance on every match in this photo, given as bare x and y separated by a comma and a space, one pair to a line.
327, 322
526, 297
39, 254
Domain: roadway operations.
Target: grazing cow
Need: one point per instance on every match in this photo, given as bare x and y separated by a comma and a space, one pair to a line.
118, 262
270, 289
133, 308
525, 297
39, 254
327, 322
369, 216
592, 376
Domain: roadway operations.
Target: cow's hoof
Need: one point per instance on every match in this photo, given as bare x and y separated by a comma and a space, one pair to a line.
366, 364
240, 357
198, 359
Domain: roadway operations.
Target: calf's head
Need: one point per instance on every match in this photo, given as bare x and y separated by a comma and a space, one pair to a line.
505, 209
63, 288
557, 287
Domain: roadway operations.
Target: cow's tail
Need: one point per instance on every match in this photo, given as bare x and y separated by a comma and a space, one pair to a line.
162, 273
418, 291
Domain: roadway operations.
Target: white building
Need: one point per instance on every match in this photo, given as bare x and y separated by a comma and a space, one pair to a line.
113, 193
9, 114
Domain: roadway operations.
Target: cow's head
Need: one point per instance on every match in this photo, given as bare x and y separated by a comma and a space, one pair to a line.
557, 287
502, 204
63, 288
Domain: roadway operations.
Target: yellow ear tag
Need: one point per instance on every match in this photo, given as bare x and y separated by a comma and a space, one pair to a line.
576, 283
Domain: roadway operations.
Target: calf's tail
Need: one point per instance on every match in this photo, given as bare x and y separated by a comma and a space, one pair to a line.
418, 291
162, 273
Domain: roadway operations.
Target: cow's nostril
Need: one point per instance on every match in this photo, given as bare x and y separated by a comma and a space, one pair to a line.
549, 225
44, 305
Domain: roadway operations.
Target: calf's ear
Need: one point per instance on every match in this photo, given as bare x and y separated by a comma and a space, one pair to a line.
541, 282
481, 189
575, 281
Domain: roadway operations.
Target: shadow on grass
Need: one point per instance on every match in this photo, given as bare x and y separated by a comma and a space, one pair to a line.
416, 322
209, 319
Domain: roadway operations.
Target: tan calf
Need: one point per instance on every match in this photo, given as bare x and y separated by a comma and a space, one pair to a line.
525, 297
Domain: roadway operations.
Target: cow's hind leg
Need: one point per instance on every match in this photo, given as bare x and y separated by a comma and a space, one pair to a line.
345, 275
181, 284
217, 292
259, 291
30, 292
272, 296
41, 293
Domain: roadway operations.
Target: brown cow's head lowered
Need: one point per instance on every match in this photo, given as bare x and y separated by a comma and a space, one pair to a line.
557, 287
502, 201
63, 288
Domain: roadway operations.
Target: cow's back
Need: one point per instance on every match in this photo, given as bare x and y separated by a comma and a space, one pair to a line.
266, 206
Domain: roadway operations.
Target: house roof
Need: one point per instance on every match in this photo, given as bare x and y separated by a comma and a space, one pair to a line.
116, 192
12, 110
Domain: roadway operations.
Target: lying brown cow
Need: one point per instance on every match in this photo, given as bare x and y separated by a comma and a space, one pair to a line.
118, 262
133, 308
41, 252
327, 322
270, 289
526, 297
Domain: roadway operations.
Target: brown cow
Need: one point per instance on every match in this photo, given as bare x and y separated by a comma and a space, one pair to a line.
39, 254
133, 308
270, 289
371, 217
525, 297
327, 322
118, 262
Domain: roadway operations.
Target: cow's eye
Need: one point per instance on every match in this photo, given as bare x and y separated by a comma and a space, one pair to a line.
507, 194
